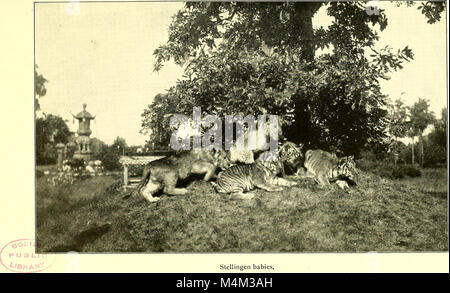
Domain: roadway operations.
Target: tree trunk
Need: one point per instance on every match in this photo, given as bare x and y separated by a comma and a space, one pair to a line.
421, 150
412, 153
304, 14
395, 151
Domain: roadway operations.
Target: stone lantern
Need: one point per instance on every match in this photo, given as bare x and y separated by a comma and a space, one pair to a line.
84, 131
60, 149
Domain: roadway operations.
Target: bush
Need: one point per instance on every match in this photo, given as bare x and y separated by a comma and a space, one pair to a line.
39, 174
411, 171
397, 173
67, 178
76, 164
388, 170
45, 161
136, 170
434, 156
109, 157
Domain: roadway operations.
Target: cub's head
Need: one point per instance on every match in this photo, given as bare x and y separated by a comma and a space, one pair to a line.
348, 168
292, 154
221, 159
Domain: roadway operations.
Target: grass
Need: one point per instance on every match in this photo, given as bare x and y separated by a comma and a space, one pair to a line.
380, 215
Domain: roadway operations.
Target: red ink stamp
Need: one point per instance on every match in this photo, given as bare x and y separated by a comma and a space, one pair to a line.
19, 256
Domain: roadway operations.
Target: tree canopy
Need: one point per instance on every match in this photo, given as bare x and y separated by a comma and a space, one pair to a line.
39, 87
239, 57
50, 130
398, 119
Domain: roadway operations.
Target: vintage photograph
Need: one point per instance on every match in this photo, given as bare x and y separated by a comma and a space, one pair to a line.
241, 127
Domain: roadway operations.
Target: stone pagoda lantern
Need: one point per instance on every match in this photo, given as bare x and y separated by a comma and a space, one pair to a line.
84, 131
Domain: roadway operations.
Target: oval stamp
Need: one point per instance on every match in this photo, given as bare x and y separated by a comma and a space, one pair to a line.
20, 256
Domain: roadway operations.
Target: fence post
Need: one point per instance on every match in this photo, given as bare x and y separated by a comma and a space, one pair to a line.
125, 175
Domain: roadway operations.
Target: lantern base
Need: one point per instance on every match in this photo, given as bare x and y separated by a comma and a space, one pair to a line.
86, 156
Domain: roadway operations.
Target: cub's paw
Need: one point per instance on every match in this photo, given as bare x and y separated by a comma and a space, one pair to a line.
151, 198
247, 196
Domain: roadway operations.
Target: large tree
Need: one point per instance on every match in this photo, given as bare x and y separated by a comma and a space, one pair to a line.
241, 57
39, 87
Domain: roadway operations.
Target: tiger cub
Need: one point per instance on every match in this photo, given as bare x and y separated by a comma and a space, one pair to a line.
289, 155
165, 173
326, 168
241, 178
260, 174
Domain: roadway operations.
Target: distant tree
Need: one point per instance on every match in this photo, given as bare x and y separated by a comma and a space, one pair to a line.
420, 118
119, 145
436, 142
96, 145
109, 156
39, 87
398, 126
50, 130
398, 116
156, 122
439, 134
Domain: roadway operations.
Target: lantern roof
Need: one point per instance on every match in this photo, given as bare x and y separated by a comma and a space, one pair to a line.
84, 114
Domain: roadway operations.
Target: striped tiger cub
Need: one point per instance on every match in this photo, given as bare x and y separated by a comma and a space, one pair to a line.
288, 155
326, 168
242, 178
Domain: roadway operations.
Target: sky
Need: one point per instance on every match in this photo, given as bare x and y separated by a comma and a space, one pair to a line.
101, 54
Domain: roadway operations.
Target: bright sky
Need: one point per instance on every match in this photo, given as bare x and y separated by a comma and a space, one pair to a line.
102, 54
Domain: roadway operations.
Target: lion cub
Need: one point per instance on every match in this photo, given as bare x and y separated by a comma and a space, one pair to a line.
165, 173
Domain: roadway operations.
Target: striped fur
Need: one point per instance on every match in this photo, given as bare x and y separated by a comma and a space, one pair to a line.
242, 178
325, 168
289, 154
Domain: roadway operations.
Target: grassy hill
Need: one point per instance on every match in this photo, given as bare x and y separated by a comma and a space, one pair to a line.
96, 215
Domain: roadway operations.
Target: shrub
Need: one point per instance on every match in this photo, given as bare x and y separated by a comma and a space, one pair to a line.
39, 174
367, 155
109, 157
411, 171
434, 155
136, 170
76, 164
45, 161
66, 178
388, 170
397, 173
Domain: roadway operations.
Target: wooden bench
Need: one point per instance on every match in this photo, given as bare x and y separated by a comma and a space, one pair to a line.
131, 182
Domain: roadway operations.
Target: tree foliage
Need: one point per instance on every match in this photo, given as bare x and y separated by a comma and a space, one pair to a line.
109, 157
50, 130
241, 57
398, 119
155, 120
39, 87
119, 144
420, 116
439, 135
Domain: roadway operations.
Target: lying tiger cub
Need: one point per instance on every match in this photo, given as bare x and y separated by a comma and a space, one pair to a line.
165, 173
260, 174
326, 168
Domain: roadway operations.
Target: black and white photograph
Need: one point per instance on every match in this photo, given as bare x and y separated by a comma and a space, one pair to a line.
240, 127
